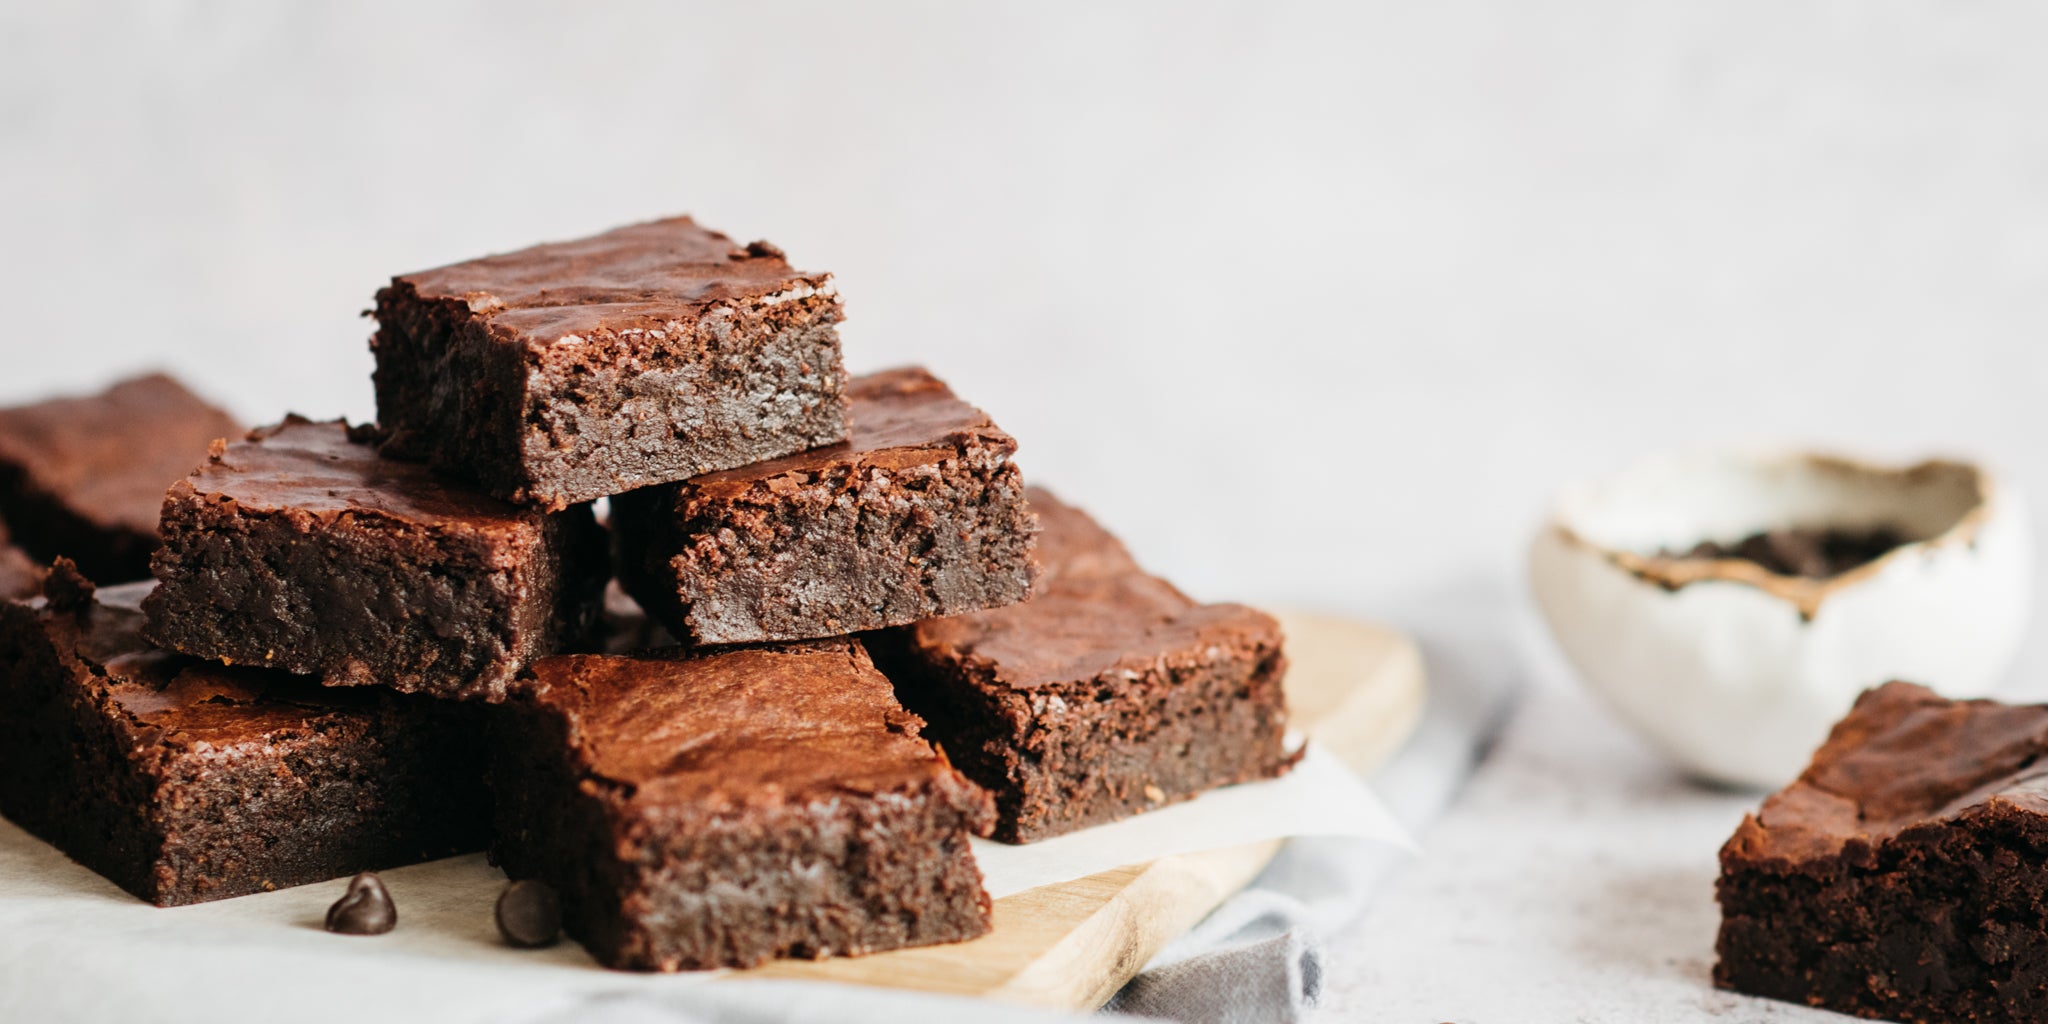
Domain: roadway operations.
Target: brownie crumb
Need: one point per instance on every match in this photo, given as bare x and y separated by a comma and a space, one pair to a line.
67, 589
365, 433
1813, 554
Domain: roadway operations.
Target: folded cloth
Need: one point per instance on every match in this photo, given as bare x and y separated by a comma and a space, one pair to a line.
1258, 957
782, 1002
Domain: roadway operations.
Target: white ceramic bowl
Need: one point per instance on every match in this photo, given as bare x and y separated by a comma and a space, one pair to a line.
1737, 673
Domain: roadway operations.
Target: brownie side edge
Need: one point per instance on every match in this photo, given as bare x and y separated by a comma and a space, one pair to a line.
896, 872
746, 382
361, 601
448, 392
382, 787
1943, 921
855, 548
64, 774
558, 424
1061, 758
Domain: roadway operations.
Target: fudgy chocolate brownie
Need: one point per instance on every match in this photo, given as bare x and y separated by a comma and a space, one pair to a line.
1107, 693
183, 781
575, 370
85, 477
922, 513
1904, 875
303, 550
20, 576
700, 810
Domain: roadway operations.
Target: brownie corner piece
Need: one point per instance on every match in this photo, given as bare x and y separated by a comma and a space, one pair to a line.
1107, 693
571, 371
183, 781
719, 809
84, 477
1904, 874
920, 513
300, 549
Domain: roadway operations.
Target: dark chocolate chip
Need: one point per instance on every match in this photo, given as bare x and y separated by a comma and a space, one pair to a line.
765, 250
529, 914
365, 909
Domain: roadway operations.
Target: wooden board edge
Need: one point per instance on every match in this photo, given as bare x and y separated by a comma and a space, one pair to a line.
1157, 903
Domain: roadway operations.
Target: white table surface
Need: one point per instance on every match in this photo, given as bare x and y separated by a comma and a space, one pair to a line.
1312, 302
1571, 881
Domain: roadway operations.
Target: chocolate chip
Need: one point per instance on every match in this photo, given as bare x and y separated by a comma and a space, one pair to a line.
365, 909
529, 914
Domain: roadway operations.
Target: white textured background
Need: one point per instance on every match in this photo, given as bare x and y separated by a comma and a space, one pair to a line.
1314, 302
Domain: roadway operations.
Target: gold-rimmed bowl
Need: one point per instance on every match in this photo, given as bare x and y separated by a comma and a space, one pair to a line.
1737, 672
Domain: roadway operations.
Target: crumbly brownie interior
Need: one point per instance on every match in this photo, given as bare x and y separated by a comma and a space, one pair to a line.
723, 809
568, 372
922, 513
305, 552
381, 788
182, 781
1902, 876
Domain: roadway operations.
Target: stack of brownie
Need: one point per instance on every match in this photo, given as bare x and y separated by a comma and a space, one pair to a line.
863, 639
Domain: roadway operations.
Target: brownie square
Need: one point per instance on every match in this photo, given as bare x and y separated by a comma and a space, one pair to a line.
1904, 875
85, 477
183, 781
575, 370
300, 549
699, 810
921, 513
1107, 693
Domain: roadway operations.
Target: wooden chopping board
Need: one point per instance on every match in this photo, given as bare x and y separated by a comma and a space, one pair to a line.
1355, 688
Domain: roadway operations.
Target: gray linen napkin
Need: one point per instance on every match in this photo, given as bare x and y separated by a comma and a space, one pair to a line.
788, 1002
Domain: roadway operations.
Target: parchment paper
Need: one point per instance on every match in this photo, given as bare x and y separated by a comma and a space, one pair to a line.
75, 948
